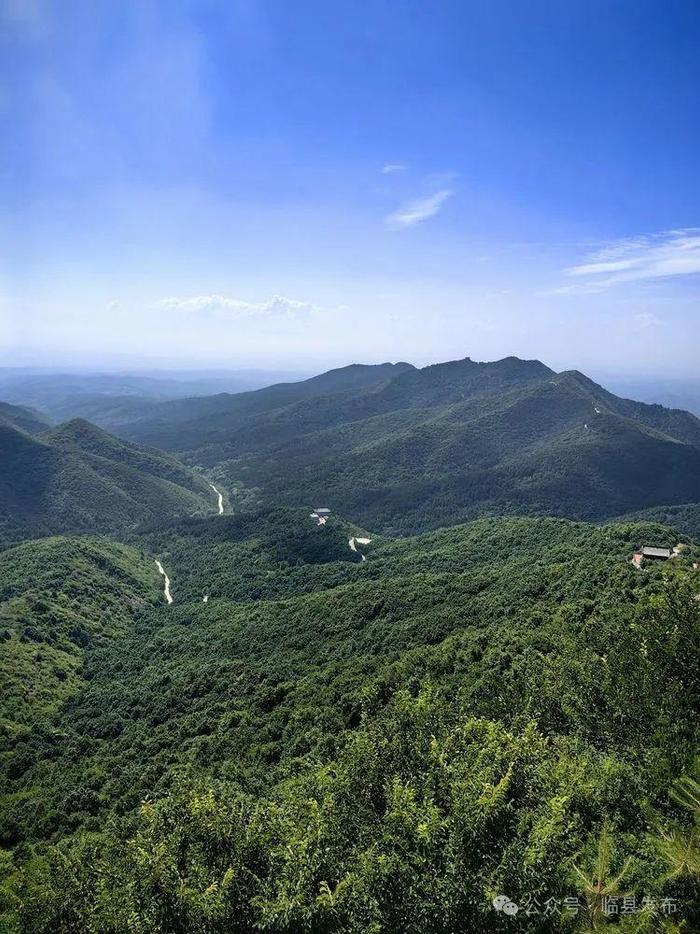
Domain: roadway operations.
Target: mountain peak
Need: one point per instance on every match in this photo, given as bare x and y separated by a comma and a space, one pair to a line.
79, 431
467, 375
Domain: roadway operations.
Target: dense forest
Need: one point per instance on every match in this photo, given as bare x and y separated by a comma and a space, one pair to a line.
404, 450
78, 478
349, 467
331, 744
382, 719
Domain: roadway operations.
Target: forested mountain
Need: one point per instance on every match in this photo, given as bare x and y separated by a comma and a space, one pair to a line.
78, 478
423, 448
330, 744
685, 519
18, 416
190, 423
109, 398
60, 597
334, 727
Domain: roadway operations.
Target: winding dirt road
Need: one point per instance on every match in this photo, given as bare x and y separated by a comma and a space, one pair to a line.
166, 589
221, 499
354, 542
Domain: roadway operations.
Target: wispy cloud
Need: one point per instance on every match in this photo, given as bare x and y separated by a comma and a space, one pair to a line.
415, 212
277, 307
663, 255
391, 168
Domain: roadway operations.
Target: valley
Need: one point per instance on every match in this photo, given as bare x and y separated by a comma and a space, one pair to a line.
288, 713
349, 467
417, 449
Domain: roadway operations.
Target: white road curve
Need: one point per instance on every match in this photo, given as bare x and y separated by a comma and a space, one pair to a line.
166, 589
354, 542
221, 499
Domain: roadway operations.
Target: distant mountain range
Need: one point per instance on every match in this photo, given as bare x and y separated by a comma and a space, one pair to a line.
401, 449
26, 419
676, 392
244, 706
111, 397
394, 448
79, 478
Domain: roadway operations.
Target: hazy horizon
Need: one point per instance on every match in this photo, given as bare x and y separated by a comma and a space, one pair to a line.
258, 185
143, 367
16, 381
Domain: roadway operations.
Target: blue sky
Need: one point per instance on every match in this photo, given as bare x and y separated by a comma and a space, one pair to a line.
307, 184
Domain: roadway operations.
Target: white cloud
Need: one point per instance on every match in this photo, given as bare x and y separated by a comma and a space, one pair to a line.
655, 256
391, 168
277, 307
415, 212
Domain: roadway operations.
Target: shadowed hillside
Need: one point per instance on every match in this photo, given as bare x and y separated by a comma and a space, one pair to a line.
431, 447
78, 478
25, 419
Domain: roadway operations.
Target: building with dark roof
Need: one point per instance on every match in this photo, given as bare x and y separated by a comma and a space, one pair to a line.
651, 553
656, 554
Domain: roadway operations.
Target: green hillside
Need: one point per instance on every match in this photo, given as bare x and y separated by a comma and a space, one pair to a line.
339, 745
77, 478
342, 726
257, 555
26, 419
684, 519
185, 424
60, 597
450, 442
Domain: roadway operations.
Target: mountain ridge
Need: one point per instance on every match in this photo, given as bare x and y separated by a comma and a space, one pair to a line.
24, 417
447, 443
77, 478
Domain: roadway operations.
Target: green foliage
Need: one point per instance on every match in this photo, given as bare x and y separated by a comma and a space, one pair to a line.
684, 519
426, 448
337, 745
332, 744
60, 598
77, 478
424, 817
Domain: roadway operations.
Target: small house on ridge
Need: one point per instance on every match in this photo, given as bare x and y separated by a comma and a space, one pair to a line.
651, 553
